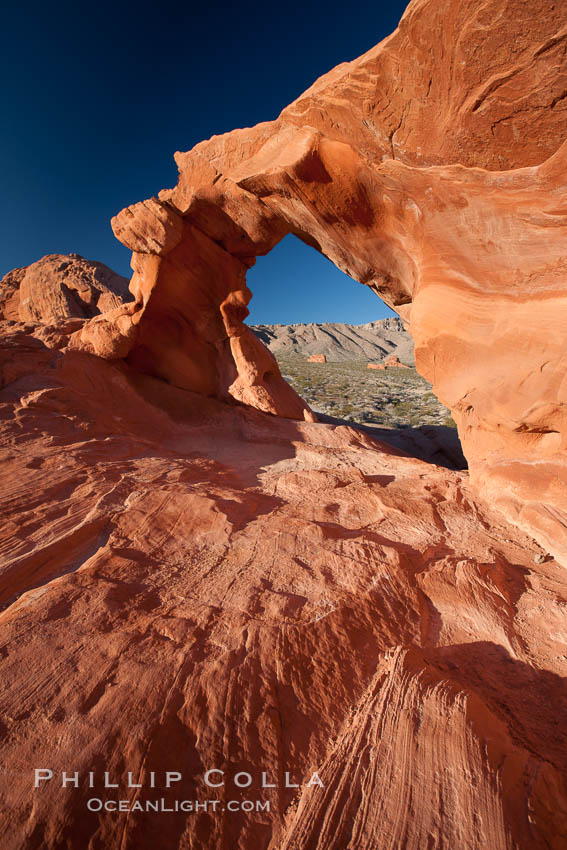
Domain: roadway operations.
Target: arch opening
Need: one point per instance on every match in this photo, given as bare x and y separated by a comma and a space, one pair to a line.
345, 352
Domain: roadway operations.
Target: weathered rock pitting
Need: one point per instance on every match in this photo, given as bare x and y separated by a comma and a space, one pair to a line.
189, 583
61, 286
431, 169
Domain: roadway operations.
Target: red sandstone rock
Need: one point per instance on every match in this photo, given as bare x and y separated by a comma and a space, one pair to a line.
317, 358
192, 584
149, 227
376, 366
189, 585
10, 294
446, 200
60, 286
394, 360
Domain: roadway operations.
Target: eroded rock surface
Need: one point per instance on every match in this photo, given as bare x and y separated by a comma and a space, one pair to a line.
190, 585
394, 360
61, 286
431, 169
339, 341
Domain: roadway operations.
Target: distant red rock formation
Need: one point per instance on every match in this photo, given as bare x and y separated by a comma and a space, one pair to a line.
317, 358
191, 584
394, 360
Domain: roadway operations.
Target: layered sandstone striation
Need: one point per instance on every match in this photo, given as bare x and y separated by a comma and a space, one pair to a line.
195, 575
339, 341
430, 169
61, 286
189, 585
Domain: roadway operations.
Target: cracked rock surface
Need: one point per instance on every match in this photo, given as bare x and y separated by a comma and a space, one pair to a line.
189, 585
195, 574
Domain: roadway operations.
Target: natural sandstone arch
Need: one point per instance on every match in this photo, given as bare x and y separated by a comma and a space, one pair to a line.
430, 169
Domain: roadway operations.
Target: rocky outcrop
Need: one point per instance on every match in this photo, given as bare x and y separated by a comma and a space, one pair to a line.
61, 286
394, 360
10, 294
339, 341
189, 585
317, 358
376, 366
431, 170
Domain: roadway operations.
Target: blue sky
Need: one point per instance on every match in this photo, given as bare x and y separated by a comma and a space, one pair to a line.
95, 99
294, 283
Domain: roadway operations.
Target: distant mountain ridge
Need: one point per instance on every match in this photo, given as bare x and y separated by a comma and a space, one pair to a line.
339, 341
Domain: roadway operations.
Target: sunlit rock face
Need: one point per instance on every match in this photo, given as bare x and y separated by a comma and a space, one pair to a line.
429, 169
61, 286
190, 584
